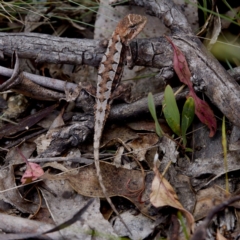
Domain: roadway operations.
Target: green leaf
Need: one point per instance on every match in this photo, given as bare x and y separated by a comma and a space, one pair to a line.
188, 150
170, 110
187, 117
151, 107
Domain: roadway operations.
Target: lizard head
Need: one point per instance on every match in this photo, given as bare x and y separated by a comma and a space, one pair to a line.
130, 26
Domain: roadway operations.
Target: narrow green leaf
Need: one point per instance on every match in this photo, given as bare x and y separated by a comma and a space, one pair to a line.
151, 107
188, 150
187, 117
170, 110
183, 225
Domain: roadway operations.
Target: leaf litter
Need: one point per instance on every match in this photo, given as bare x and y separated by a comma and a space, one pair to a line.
149, 193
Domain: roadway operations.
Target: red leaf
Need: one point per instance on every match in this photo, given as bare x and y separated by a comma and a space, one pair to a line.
33, 172
204, 113
202, 109
180, 65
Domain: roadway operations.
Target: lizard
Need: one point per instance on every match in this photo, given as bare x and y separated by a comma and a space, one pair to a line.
109, 76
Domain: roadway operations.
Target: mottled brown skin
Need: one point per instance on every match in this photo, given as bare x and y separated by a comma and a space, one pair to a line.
109, 75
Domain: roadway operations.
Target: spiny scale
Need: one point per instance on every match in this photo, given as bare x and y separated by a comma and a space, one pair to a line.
109, 75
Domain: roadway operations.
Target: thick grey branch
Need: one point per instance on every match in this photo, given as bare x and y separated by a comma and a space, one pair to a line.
51, 49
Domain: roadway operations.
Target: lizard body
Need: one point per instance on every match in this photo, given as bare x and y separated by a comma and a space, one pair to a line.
109, 75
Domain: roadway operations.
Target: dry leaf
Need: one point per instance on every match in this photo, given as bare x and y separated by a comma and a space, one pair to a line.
163, 194
219, 236
60, 211
214, 31
116, 180
26, 123
207, 199
58, 121
117, 132
141, 145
